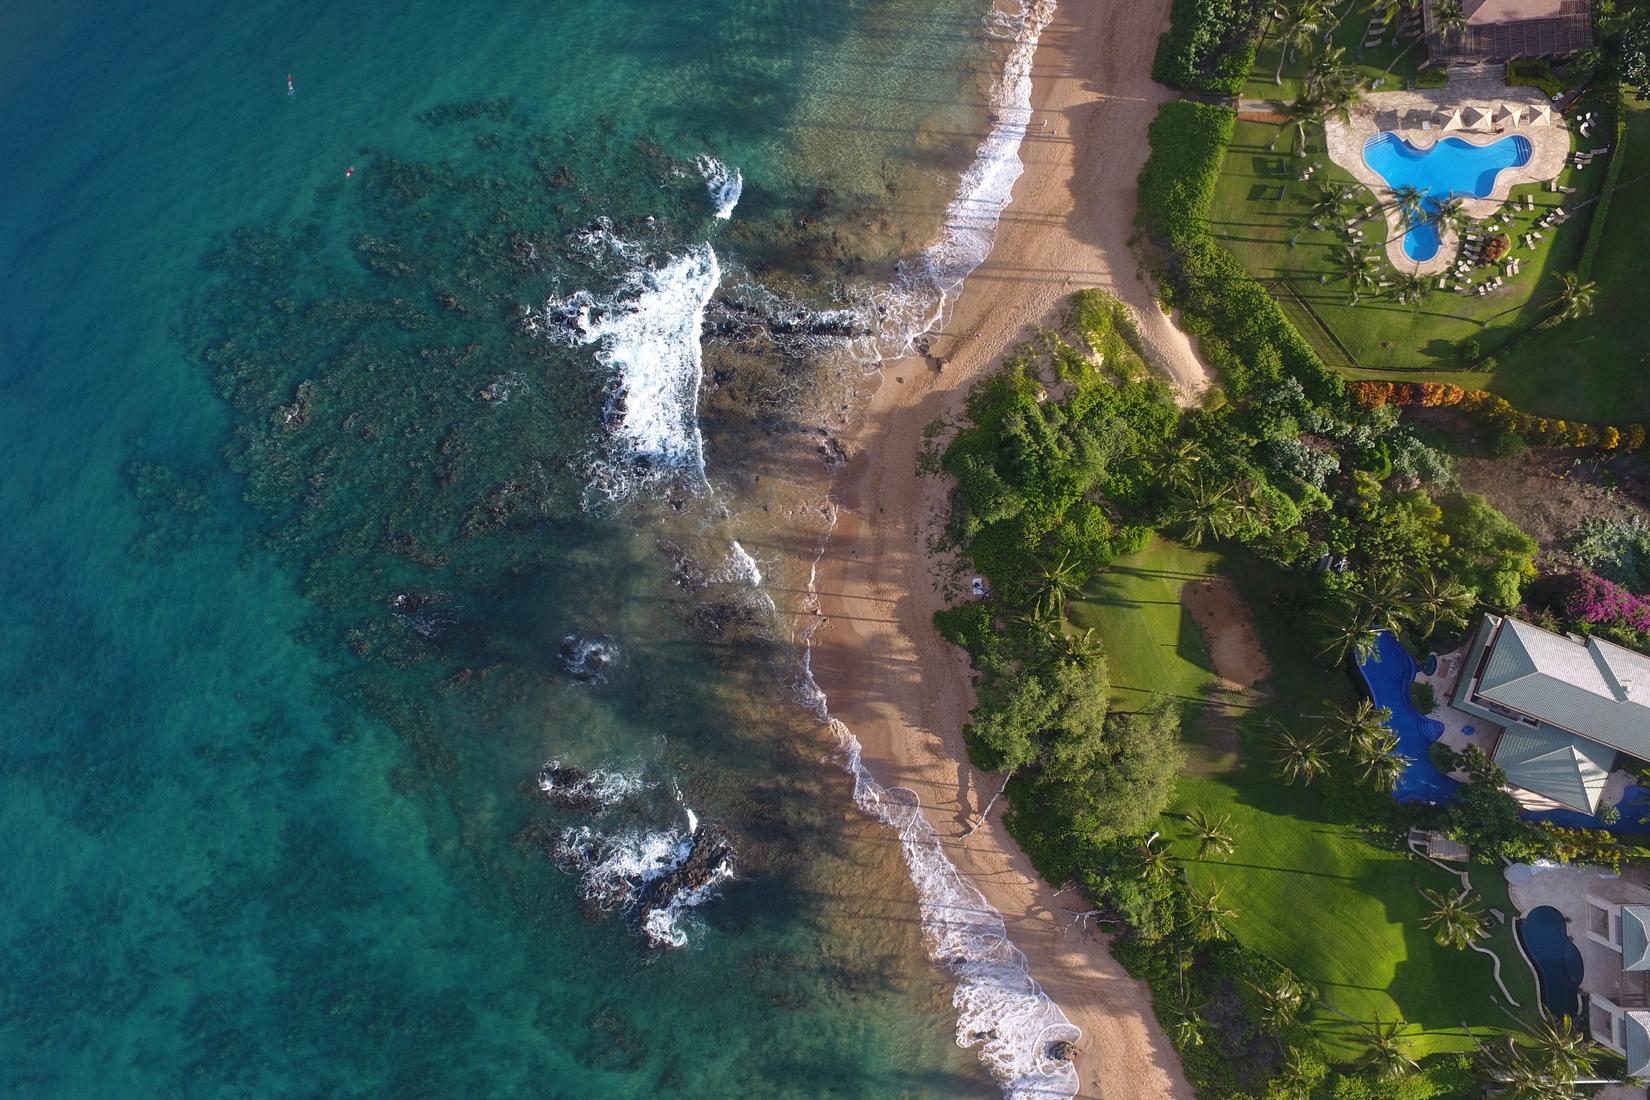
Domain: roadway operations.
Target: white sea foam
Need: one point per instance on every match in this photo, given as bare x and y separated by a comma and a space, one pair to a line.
725, 184
648, 335
742, 567
918, 300
615, 869
1000, 1007
598, 789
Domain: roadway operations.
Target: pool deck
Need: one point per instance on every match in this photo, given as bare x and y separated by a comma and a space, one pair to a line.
1566, 889
1403, 112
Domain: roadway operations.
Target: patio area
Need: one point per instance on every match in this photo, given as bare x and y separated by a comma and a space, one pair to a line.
1476, 106
1591, 901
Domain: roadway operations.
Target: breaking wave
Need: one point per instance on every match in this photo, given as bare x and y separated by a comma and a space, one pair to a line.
1000, 1007
573, 788
587, 660
654, 877
647, 334
924, 290
724, 184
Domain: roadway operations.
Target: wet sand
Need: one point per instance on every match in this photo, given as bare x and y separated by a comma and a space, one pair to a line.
902, 689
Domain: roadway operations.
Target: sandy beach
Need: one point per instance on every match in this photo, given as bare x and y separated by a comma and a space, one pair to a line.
903, 690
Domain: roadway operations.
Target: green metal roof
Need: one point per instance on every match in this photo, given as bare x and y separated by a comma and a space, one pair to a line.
1593, 688
1557, 765
1635, 1040
1635, 937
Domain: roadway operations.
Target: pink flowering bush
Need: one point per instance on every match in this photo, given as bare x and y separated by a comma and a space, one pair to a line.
1600, 602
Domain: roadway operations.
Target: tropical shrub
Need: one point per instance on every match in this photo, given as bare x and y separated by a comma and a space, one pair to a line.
1209, 46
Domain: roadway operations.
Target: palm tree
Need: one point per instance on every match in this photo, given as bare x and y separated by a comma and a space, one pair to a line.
1328, 70
1151, 860
1212, 834
1388, 10
1377, 765
1387, 596
1281, 1000
1563, 1049
1294, 1073
1324, 206
1386, 1053
1520, 1076
1451, 214
1204, 511
1407, 199
1078, 649
1300, 112
1575, 299
1364, 722
1349, 630
1437, 599
1354, 265
1456, 919
1180, 463
1187, 1029
1450, 17
1057, 582
1410, 289
1298, 31
1299, 757
1339, 100
1205, 914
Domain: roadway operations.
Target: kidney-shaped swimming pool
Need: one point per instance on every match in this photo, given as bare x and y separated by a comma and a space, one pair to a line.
1452, 168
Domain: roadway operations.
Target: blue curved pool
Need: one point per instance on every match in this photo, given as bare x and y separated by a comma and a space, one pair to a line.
1388, 673
1452, 168
1557, 959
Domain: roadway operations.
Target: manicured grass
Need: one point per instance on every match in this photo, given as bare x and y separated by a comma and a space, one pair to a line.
1258, 209
1152, 645
1368, 64
1323, 899
1344, 914
1598, 363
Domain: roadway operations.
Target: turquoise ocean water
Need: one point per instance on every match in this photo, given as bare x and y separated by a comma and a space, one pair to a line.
319, 487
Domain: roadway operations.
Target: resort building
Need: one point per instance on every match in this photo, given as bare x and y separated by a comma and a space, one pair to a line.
1565, 707
1621, 1019
1502, 30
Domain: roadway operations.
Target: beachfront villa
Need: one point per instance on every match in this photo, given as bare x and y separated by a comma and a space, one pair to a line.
1586, 932
1554, 711
1474, 139
1503, 30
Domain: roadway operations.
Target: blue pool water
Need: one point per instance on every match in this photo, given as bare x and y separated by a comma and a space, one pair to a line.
1556, 959
1452, 168
1388, 673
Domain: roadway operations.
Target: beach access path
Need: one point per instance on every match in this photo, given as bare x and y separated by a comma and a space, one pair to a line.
898, 686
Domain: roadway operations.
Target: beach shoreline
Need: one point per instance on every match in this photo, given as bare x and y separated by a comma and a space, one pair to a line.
901, 690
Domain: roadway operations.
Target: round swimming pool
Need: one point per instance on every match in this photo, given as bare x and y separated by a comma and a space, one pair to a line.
1556, 957
1451, 168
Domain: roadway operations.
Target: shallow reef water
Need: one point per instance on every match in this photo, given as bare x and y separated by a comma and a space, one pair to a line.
332, 422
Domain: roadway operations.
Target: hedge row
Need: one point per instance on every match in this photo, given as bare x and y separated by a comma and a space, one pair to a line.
1498, 411
1209, 46
1241, 330
1595, 228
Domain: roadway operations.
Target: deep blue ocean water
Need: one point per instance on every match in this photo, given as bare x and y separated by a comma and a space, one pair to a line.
297, 509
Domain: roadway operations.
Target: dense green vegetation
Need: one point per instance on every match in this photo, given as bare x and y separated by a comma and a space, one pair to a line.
1073, 452
1209, 46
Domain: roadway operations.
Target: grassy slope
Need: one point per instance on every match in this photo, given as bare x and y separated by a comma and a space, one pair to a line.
1602, 358
1152, 645
1339, 910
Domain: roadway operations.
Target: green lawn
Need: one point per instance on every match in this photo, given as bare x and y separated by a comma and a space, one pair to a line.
1338, 909
1152, 645
1369, 64
1601, 360
1257, 211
